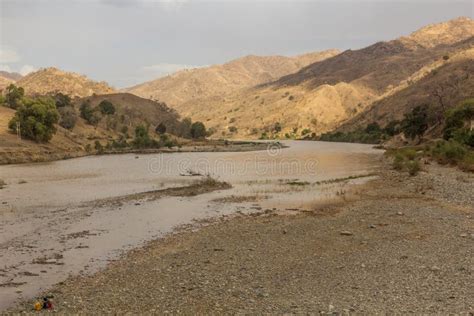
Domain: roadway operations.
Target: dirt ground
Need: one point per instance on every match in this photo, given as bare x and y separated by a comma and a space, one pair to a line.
405, 244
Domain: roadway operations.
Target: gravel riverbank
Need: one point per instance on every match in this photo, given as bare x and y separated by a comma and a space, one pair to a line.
404, 244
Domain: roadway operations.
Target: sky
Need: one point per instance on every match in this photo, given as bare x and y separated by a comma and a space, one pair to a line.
126, 42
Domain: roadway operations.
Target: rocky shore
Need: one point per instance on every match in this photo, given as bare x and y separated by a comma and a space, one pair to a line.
403, 244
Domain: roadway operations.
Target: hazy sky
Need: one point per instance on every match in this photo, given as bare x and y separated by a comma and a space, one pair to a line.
126, 42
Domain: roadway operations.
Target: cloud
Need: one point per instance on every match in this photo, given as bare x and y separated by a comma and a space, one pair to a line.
8, 56
162, 69
26, 69
169, 5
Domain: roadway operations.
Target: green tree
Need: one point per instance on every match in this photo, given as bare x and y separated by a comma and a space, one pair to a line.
68, 117
36, 119
62, 100
458, 121
142, 139
14, 96
415, 123
89, 114
198, 130
106, 107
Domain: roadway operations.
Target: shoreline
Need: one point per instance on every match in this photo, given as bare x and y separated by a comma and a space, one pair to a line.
27, 157
385, 250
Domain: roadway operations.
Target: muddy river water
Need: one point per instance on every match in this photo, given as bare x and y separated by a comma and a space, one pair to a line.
47, 231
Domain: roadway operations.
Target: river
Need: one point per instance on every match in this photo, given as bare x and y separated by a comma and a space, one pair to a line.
47, 231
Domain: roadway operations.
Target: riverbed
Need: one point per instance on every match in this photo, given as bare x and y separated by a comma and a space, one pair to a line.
50, 228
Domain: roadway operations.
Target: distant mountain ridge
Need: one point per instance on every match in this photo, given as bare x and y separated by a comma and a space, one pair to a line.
325, 94
248, 71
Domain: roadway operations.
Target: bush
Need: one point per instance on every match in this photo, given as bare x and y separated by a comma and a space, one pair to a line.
198, 130
98, 147
232, 129
413, 167
36, 119
277, 127
68, 117
106, 107
457, 124
160, 129
89, 114
14, 96
62, 100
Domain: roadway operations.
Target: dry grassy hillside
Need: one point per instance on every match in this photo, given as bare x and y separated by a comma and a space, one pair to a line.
442, 87
325, 94
51, 80
130, 112
241, 73
7, 78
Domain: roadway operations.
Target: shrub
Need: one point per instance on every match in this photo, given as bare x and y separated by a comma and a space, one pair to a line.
413, 167
398, 162
89, 114
277, 127
305, 131
392, 128
68, 117
98, 147
232, 129
106, 107
198, 130
62, 100
458, 121
160, 129
36, 119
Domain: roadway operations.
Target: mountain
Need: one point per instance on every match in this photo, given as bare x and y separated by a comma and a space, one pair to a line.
187, 85
51, 80
444, 85
7, 78
325, 94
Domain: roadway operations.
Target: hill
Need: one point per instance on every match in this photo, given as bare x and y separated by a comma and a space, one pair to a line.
441, 87
325, 94
7, 78
130, 112
52, 80
188, 85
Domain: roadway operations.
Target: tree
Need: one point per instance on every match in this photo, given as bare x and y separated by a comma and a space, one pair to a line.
62, 100
68, 117
198, 130
89, 114
415, 123
106, 107
373, 128
184, 129
36, 119
142, 139
14, 96
161, 128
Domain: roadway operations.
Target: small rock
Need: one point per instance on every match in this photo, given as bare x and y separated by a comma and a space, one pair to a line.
285, 231
400, 213
435, 268
372, 226
346, 233
463, 235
